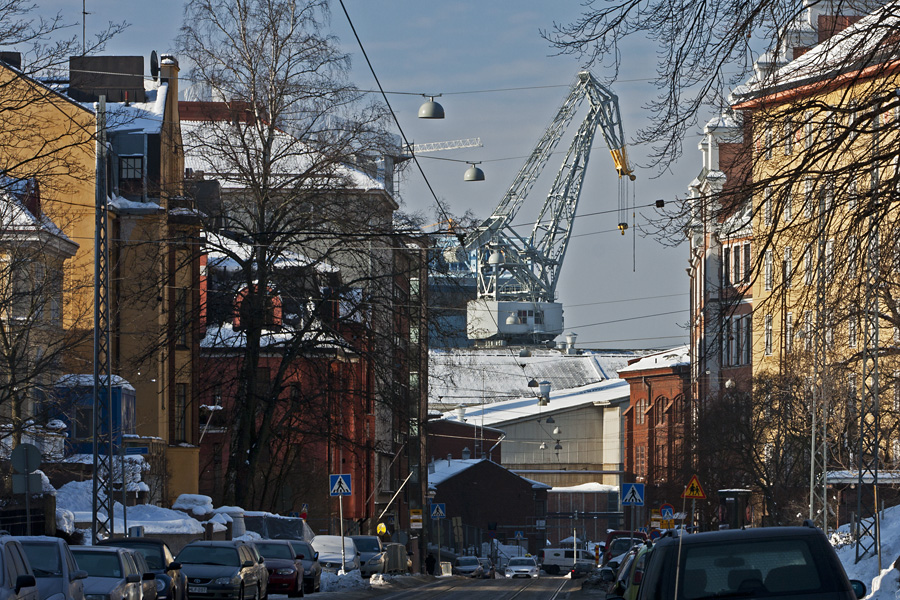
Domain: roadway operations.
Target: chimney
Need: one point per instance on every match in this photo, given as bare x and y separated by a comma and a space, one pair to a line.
570, 343
466, 453
13, 59
32, 197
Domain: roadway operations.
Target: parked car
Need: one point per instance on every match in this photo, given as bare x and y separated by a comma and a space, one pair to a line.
329, 548
171, 583
262, 571
560, 560
220, 571
771, 562
312, 570
467, 566
630, 577
522, 566
111, 576
619, 542
148, 577
487, 568
18, 581
372, 559
54, 567
285, 569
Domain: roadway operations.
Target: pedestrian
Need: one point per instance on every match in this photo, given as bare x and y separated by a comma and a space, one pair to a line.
429, 563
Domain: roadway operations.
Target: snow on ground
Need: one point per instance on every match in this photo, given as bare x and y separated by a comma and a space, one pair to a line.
353, 580
881, 585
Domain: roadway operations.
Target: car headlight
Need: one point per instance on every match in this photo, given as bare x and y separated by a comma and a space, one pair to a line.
160, 584
235, 580
509, 574
287, 571
96, 597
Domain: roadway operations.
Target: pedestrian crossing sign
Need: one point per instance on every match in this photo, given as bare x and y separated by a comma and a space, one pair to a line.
439, 510
633, 494
694, 490
339, 484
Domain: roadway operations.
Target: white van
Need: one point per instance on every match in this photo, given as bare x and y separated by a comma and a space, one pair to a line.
559, 560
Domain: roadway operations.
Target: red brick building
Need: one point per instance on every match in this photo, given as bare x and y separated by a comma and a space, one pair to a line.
657, 427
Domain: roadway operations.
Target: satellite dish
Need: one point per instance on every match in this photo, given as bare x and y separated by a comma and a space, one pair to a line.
154, 65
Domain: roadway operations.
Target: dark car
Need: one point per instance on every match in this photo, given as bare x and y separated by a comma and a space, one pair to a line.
261, 569
171, 584
17, 581
285, 569
468, 566
778, 563
220, 571
57, 573
312, 570
619, 542
111, 576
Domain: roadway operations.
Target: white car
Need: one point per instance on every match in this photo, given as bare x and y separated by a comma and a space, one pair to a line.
522, 566
329, 549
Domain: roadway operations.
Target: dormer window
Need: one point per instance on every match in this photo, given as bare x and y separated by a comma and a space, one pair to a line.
131, 176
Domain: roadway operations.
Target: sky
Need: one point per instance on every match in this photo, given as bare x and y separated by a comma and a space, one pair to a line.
472, 53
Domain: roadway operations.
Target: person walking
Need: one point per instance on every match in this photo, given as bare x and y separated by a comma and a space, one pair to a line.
429, 563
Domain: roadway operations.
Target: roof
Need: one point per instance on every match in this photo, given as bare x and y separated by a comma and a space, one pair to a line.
20, 225
146, 117
520, 409
447, 469
667, 359
224, 252
473, 376
587, 488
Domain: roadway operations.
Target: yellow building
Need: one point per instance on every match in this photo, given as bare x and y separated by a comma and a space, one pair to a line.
48, 134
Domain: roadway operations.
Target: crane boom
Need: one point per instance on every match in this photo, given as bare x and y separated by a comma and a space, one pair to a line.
517, 277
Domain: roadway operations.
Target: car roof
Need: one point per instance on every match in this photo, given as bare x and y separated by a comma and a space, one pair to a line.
106, 549
132, 540
739, 535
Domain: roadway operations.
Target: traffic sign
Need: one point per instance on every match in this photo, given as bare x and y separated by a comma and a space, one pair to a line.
415, 518
339, 485
519, 535
667, 512
439, 511
694, 490
25, 458
633, 494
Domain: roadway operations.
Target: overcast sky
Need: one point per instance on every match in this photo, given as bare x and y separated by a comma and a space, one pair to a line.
472, 52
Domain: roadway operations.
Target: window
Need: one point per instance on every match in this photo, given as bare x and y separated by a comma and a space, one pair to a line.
808, 126
131, 175
852, 193
736, 271
829, 259
180, 433
808, 197
768, 330
747, 263
808, 330
896, 392
851, 256
789, 332
767, 205
726, 265
768, 270
748, 337
181, 320
788, 208
768, 141
788, 267
807, 267
726, 343
851, 332
788, 136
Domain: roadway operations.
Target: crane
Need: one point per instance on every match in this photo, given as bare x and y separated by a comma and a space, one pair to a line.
517, 276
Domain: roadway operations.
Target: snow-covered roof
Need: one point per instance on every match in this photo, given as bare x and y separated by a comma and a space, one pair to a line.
226, 337
444, 469
222, 251
590, 487
146, 117
19, 224
87, 380
204, 151
666, 359
498, 414
473, 376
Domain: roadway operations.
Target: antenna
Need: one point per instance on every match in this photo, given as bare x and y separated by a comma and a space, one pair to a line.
84, 14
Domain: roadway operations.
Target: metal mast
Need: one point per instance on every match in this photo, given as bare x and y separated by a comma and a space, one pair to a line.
103, 501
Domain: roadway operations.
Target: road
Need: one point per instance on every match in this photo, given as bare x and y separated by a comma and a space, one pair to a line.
457, 588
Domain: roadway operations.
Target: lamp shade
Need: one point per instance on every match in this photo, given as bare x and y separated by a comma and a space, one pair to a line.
473, 173
431, 110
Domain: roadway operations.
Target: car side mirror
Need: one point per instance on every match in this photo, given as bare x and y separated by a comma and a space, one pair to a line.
859, 588
173, 566
24, 581
79, 575
132, 578
262, 560
149, 577
316, 556
247, 564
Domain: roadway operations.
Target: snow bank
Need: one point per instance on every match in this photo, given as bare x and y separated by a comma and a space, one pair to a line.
883, 584
65, 520
196, 504
348, 581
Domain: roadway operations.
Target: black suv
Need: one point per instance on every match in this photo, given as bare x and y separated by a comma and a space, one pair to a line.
767, 562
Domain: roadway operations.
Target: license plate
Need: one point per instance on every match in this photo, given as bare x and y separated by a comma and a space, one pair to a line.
196, 589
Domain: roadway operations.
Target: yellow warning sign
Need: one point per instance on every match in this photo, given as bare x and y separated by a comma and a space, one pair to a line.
694, 490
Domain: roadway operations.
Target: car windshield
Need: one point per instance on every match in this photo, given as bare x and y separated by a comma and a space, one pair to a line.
779, 566
467, 561
99, 564
366, 544
151, 552
521, 562
621, 546
302, 548
332, 544
209, 555
44, 559
270, 550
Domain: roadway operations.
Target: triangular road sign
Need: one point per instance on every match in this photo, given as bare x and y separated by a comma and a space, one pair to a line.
694, 490
438, 511
633, 494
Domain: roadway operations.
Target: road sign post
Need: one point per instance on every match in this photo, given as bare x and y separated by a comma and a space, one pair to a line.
438, 512
341, 486
632, 495
695, 492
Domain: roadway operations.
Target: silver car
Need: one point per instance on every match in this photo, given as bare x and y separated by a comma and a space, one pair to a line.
372, 558
111, 576
330, 548
57, 573
522, 566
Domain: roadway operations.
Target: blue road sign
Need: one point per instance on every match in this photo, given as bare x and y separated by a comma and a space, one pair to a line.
133, 450
439, 511
339, 485
667, 512
633, 494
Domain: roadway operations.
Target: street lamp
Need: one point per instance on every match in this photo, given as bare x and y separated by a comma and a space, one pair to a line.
473, 173
431, 109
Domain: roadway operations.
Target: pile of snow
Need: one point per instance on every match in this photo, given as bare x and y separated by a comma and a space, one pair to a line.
77, 498
65, 520
195, 504
880, 585
250, 536
348, 581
